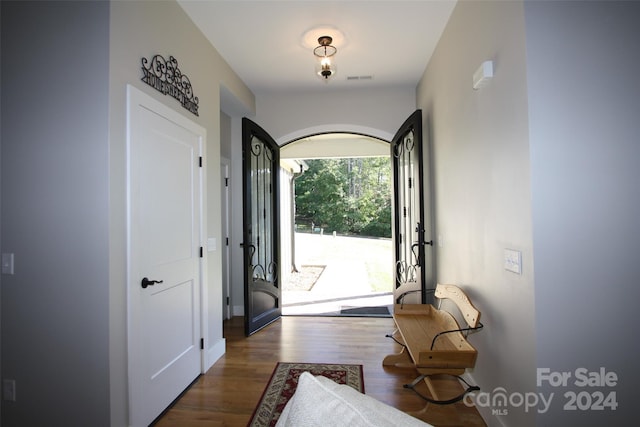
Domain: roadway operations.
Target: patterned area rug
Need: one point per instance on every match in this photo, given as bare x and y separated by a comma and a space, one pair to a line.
284, 381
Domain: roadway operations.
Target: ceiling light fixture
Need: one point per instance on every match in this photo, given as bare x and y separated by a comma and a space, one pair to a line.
325, 52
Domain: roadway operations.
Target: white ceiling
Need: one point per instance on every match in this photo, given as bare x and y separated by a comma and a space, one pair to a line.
335, 145
264, 40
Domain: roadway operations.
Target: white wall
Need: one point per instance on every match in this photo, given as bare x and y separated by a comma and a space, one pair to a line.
225, 135
142, 29
55, 317
480, 162
288, 116
237, 226
235, 110
584, 104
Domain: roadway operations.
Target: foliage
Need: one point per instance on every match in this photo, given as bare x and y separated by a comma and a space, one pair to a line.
348, 196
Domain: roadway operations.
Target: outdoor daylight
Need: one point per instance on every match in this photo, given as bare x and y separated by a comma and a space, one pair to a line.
342, 239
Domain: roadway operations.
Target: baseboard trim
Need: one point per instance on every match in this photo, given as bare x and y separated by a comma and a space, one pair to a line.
215, 352
238, 310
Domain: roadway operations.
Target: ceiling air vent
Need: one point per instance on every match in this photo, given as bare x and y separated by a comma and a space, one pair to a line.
359, 77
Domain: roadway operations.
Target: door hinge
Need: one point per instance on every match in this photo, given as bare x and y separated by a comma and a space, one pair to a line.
226, 241
201, 343
410, 182
226, 182
201, 252
228, 301
200, 162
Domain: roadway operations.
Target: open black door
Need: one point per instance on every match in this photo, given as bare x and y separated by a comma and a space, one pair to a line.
409, 212
262, 291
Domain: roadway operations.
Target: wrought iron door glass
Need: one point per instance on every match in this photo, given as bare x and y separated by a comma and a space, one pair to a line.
409, 241
262, 260
408, 257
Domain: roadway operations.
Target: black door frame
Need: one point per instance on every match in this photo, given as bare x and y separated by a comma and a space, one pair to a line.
409, 239
261, 165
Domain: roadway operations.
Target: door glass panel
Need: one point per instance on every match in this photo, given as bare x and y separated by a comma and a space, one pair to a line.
408, 262
263, 263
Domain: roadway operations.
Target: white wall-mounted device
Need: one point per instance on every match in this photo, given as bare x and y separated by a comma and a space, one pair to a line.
483, 75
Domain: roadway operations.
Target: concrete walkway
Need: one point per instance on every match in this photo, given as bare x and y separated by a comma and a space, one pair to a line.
345, 281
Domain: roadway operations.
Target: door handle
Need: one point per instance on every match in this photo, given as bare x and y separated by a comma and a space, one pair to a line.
421, 241
146, 282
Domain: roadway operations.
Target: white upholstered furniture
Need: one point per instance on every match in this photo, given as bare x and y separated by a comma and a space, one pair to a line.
321, 402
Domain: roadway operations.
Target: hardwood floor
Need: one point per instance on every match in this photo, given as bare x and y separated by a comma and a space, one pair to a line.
228, 393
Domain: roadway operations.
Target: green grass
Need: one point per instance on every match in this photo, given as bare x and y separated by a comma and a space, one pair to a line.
380, 277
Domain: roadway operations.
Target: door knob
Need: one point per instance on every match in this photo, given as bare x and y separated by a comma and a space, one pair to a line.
146, 282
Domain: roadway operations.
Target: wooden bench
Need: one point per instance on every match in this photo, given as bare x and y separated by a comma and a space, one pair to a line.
433, 341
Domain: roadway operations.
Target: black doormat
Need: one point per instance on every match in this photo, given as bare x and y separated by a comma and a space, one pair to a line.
365, 311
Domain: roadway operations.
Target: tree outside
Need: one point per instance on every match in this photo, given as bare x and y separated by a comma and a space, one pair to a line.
348, 196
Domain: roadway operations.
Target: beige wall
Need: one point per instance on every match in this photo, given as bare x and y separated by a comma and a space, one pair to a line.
481, 186
375, 112
54, 174
584, 100
142, 29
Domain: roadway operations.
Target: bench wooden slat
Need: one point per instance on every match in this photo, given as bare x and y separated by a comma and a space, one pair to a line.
450, 353
419, 330
455, 294
418, 324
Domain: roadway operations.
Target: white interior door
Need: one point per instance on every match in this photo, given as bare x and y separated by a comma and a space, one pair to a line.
164, 232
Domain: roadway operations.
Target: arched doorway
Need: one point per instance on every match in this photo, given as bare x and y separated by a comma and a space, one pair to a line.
331, 268
262, 178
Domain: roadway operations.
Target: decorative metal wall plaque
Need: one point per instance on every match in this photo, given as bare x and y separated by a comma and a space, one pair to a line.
165, 76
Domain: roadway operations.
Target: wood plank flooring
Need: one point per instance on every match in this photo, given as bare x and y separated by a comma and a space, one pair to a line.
229, 392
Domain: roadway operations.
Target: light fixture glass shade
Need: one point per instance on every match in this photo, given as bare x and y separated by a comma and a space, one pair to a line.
325, 67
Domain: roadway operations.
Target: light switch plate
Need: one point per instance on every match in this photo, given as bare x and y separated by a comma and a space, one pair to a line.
513, 261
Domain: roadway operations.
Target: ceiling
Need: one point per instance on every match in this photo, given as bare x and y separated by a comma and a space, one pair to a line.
269, 43
334, 145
